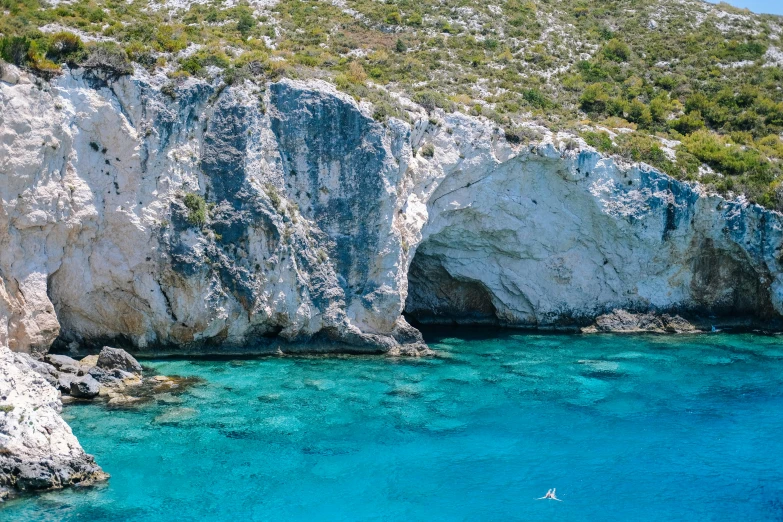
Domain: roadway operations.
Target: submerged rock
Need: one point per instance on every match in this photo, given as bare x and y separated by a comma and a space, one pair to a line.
175, 415
118, 399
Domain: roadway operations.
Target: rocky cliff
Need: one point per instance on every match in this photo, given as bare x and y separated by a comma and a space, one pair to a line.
216, 218
283, 217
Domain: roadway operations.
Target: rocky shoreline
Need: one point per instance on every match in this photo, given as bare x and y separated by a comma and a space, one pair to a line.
38, 451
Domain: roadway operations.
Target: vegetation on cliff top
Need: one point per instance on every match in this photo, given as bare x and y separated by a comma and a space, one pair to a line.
640, 79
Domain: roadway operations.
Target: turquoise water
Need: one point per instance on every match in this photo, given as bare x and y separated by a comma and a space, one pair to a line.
626, 428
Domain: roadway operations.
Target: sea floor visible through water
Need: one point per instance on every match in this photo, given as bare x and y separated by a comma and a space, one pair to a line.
630, 428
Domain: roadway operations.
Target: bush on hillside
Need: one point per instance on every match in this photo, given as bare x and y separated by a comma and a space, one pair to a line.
107, 56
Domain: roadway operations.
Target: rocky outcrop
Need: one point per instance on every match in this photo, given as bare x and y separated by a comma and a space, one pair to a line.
37, 448
555, 238
626, 322
282, 216
116, 358
216, 221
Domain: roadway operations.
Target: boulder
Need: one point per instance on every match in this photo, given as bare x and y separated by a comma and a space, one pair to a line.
9, 74
117, 358
58, 361
85, 387
63, 363
64, 382
103, 376
628, 322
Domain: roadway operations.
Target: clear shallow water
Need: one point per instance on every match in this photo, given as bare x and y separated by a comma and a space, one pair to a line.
626, 428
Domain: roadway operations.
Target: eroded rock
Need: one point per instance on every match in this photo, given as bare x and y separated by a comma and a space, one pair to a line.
39, 450
317, 211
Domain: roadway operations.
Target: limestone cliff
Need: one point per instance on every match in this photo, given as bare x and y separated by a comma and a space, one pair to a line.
218, 218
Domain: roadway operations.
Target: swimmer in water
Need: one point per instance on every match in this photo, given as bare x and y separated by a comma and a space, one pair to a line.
550, 494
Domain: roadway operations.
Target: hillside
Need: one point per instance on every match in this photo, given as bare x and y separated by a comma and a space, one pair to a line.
689, 87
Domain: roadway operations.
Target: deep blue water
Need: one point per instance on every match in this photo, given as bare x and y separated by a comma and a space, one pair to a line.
629, 428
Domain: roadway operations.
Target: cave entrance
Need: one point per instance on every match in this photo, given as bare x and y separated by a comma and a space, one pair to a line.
435, 296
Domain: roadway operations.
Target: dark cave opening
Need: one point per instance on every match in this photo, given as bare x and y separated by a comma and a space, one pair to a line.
435, 296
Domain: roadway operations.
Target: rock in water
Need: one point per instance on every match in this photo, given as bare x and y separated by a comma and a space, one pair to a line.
85, 387
39, 450
628, 322
117, 359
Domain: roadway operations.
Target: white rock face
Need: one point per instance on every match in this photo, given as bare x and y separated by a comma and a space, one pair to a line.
551, 237
303, 216
39, 451
99, 243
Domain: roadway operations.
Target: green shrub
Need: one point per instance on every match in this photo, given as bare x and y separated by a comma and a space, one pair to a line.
195, 63
428, 150
517, 135
616, 51
688, 123
640, 114
600, 140
726, 157
429, 100
15, 49
536, 98
274, 196
107, 56
246, 22
595, 98
414, 19
738, 51
197, 209
64, 46
383, 109
141, 54
641, 147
